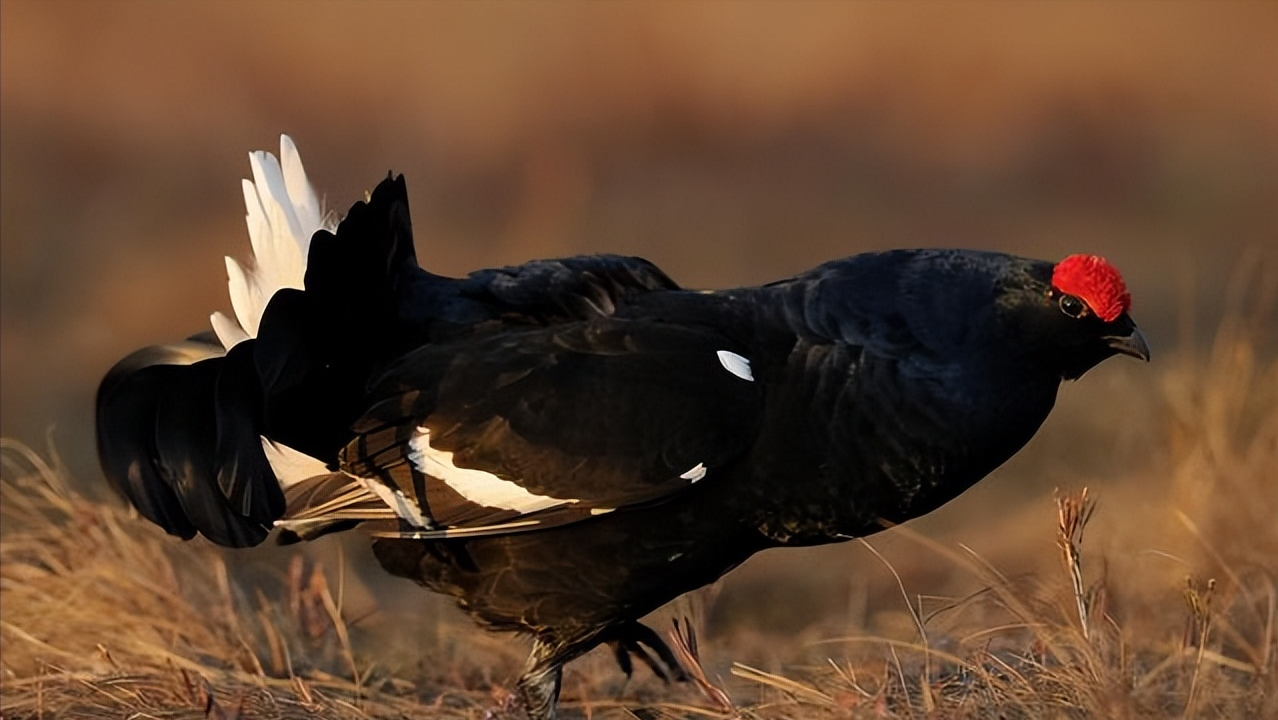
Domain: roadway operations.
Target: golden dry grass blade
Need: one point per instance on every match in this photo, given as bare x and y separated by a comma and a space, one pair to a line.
794, 688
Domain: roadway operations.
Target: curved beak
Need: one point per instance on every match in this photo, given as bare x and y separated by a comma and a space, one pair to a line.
1132, 344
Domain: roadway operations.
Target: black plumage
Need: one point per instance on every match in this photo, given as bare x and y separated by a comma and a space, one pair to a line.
566, 445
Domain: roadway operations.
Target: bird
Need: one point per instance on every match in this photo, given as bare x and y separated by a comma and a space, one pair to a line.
565, 445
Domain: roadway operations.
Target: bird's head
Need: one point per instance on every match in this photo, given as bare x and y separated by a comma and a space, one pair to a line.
1081, 318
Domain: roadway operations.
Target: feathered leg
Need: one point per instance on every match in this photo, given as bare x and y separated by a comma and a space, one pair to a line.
539, 685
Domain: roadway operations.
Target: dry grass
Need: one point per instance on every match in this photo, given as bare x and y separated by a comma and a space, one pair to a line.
105, 616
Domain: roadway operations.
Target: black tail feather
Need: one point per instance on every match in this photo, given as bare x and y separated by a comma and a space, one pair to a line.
180, 427
186, 453
359, 268
127, 405
158, 443
243, 473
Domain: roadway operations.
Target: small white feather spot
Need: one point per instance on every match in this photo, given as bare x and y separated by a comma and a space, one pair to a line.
735, 364
601, 511
695, 473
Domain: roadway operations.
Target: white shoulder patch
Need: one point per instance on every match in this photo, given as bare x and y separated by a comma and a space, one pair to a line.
695, 473
291, 466
736, 364
477, 486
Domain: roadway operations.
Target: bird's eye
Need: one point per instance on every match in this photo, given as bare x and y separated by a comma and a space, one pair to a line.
1072, 306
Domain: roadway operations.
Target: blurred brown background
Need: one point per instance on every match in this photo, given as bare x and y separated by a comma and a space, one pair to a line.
729, 143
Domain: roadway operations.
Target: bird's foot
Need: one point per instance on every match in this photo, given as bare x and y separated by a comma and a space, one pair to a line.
630, 639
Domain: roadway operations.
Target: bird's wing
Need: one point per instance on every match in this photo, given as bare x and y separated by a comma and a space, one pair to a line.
552, 425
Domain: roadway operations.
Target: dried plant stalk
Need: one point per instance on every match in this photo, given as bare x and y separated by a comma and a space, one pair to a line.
1073, 511
684, 640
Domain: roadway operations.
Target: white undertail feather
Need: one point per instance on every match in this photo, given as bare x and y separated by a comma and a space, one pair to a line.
321, 500
291, 466
283, 212
317, 495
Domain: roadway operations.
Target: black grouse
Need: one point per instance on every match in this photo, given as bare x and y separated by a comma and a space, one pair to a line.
566, 445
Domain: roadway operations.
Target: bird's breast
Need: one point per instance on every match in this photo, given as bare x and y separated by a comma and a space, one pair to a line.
852, 443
